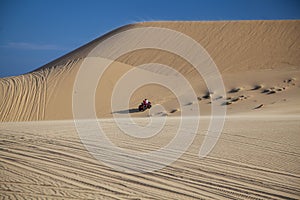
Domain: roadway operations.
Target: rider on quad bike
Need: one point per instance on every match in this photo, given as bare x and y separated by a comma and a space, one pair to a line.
144, 105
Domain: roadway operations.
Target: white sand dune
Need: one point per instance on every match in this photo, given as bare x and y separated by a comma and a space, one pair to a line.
256, 157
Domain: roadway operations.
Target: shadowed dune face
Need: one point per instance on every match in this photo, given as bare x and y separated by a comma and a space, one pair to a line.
252, 55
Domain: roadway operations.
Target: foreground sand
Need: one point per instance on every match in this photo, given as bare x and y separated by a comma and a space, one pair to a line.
47, 160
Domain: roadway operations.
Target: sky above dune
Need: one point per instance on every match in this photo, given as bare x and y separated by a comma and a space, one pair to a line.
33, 32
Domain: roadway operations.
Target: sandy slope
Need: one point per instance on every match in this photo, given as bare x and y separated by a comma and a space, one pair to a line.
256, 157
248, 53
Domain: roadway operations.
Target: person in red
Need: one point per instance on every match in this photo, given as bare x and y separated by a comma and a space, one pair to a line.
144, 105
145, 102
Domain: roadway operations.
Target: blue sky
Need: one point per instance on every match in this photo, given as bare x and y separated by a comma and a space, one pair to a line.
35, 32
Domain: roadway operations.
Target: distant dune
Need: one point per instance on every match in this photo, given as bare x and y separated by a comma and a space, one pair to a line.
259, 62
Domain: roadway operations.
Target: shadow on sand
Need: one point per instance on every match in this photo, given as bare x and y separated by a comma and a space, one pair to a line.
132, 110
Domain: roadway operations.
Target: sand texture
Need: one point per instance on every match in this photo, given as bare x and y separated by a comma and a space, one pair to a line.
256, 157
47, 160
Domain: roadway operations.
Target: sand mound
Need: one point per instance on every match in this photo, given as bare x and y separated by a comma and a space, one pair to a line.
246, 52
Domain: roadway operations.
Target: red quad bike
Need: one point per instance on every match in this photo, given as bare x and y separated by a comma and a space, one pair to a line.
143, 107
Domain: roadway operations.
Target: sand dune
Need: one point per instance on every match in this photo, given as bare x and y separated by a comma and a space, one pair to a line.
247, 53
257, 154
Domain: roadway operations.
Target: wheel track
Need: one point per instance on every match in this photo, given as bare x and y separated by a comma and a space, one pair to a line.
55, 155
